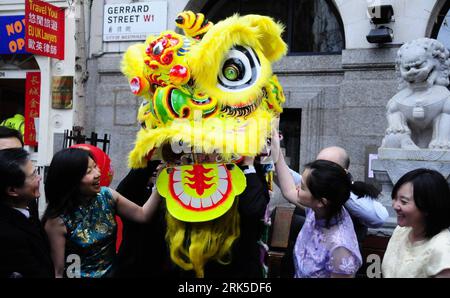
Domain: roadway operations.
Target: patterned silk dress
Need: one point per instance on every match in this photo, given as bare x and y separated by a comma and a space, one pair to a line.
321, 251
91, 235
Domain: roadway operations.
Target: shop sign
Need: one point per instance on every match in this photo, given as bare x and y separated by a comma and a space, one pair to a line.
32, 102
12, 74
134, 21
44, 33
12, 35
62, 92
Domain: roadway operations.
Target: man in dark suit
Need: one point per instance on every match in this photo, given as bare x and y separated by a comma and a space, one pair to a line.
11, 138
24, 249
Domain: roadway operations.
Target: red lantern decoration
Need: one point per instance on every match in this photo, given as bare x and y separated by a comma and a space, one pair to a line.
103, 162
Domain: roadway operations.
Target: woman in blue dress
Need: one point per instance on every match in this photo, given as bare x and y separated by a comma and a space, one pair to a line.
79, 218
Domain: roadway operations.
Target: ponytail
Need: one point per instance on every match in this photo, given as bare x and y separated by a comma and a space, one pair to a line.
362, 189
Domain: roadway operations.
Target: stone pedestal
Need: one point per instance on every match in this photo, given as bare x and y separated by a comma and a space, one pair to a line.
394, 163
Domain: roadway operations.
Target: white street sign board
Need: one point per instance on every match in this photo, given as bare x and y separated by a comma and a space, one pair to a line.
134, 21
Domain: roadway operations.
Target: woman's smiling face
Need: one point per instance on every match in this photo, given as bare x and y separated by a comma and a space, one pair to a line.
408, 215
90, 184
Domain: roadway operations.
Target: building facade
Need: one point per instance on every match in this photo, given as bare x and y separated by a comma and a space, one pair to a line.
336, 83
336, 87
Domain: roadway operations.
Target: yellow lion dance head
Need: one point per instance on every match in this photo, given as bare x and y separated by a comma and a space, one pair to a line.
210, 97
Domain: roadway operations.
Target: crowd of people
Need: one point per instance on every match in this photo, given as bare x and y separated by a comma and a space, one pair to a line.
79, 220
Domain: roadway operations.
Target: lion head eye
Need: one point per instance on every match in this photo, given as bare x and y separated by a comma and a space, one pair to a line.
233, 70
240, 69
158, 48
144, 103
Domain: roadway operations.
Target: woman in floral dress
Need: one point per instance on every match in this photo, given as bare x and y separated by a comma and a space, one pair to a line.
326, 245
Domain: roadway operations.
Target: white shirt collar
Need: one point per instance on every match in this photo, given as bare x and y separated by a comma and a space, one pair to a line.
24, 211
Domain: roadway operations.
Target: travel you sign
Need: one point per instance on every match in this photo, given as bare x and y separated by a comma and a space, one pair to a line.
44, 29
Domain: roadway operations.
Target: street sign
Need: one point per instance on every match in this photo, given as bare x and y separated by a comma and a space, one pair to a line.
134, 21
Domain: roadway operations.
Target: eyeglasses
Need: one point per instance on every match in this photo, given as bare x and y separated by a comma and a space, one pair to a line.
34, 175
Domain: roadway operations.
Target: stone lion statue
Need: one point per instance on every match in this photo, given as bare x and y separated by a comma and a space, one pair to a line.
419, 114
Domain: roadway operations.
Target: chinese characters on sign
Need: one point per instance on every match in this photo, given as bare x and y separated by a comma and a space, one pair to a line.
44, 33
32, 100
134, 21
62, 92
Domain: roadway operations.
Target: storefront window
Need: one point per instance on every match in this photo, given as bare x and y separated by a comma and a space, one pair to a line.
316, 27
311, 26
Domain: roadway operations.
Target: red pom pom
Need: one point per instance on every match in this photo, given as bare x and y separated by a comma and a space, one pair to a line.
179, 74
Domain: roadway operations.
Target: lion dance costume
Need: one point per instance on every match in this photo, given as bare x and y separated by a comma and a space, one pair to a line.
209, 99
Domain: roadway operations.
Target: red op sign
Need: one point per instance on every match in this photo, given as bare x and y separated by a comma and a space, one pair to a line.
32, 101
44, 33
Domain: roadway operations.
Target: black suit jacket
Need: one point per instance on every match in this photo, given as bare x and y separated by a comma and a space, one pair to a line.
24, 247
246, 252
143, 252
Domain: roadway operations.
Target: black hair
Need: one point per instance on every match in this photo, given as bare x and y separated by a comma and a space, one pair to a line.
359, 188
168, 155
62, 184
6, 132
431, 195
12, 161
346, 161
330, 181
362, 189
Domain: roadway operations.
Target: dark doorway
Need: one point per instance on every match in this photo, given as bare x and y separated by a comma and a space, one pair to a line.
290, 123
12, 98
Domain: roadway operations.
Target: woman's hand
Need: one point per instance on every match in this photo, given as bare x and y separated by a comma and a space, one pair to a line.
275, 149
